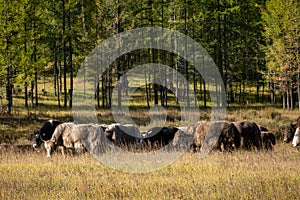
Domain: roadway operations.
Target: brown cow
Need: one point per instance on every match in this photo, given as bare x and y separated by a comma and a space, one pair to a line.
222, 135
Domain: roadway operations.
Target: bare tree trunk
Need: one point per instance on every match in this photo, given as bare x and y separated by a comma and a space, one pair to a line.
58, 76
298, 87
204, 95
25, 73
186, 67
147, 92
103, 91
55, 76
109, 88
288, 100
283, 100
70, 61
35, 70
291, 98
31, 93
8, 91
64, 52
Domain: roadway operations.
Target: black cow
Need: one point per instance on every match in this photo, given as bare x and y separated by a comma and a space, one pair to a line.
45, 133
250, 133
159, 136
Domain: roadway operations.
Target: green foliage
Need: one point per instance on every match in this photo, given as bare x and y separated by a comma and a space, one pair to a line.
282, 24
42, 35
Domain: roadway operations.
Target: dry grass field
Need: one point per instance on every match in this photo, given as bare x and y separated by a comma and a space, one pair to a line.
236, 175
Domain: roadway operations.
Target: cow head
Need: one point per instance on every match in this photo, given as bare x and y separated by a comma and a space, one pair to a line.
289, 133
36, 139
109, 132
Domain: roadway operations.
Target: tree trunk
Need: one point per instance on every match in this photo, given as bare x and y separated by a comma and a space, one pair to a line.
103, 91
298, 88
147, 92
291, 98
283, 101
58, 76
119, 86
204, 95
35, 70
26, 94
25, 73
8, 91
55, 72
64, 53
70, 61
31, 93
186, 67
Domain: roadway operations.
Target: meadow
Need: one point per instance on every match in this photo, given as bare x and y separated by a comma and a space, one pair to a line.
237, 175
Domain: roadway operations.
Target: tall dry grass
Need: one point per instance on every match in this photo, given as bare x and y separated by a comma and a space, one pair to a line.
237, 175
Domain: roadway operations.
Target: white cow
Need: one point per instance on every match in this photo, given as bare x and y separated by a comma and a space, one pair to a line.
76, 137
296, 139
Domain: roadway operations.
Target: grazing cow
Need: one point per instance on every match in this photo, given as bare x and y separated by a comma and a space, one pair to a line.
123, 134
268, 140
159, 136
93, 138
289, 132
199, 131
68, 136
296, 139
45, 133
182, 139
250, 133
222, 135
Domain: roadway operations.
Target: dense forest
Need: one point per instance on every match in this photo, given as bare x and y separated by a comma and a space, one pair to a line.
254, 44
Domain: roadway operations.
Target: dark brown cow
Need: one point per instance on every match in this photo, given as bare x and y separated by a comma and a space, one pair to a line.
250, 133
268, 140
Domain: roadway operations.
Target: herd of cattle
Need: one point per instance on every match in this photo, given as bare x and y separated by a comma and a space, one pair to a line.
221, 135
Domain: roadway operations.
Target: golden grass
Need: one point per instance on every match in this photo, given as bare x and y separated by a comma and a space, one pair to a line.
237, 175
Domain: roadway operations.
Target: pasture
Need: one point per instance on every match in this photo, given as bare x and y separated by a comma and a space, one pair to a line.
237, 175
